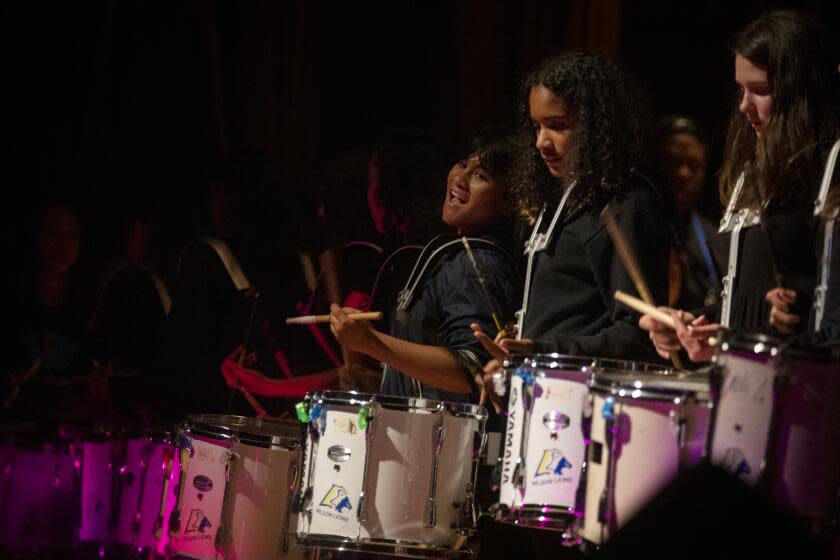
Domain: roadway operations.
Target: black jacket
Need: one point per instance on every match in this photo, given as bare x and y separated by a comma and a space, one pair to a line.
572, 308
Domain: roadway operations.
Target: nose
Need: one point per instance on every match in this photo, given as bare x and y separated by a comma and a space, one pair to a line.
543, 143
746, 104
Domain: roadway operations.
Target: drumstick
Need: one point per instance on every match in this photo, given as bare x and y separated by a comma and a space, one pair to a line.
500, 328
310, 319
626, 256
629, 260
638, 305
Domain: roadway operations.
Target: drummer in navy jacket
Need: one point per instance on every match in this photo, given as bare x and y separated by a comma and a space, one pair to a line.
430, 351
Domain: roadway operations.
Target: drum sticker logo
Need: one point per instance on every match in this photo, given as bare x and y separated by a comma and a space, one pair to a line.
202, 483
507, 469
553, 462
198, 523
735, 462
336, 499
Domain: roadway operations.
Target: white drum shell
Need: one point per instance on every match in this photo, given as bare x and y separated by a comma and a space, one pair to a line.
393, 463
648, 455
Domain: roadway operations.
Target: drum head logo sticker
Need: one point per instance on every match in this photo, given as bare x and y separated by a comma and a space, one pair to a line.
198, 522
336, 498
553, 462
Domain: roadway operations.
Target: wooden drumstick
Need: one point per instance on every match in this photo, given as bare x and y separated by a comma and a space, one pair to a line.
310, 319
642, 307
638, 305
632, 266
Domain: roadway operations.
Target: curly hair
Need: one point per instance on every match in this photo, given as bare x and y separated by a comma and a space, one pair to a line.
801, 70
608, 132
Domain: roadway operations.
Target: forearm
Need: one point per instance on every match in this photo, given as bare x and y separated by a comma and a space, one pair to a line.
432, 365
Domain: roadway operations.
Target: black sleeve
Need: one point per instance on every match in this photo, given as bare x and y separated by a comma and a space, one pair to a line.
647, 235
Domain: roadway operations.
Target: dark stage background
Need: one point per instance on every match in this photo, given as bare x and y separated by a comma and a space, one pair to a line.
132, 107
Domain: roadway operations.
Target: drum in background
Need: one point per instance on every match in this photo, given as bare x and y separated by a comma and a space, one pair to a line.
150, 474
103, 455
388, 474
776, 422
39, 489
647, 423
544, 450
237, 480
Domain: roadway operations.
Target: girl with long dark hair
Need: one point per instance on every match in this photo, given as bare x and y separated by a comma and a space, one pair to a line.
782, 126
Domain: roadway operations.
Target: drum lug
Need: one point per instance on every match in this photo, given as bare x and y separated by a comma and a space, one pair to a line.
294, 469
431, 505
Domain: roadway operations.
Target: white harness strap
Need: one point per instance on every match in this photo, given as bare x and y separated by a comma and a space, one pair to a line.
732, 222
536, 243
828, 236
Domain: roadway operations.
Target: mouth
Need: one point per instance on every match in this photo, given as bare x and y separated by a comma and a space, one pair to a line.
458, 197
551, 161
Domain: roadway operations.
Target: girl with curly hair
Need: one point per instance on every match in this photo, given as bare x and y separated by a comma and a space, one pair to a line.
586, 134
784, 122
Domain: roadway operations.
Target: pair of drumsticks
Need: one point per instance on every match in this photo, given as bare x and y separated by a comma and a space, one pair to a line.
646, 304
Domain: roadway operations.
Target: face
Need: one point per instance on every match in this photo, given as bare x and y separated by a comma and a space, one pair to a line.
474, 198
552, 122
756, 95
684, 168
60, 240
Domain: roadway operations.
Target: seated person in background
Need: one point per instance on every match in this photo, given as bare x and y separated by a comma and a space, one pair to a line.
363, 260
429, 350
693, 272
48, 315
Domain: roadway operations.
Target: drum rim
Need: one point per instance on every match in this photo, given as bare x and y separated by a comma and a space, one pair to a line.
551, 360
202, 424
399, 403
656, 384
386, 547
753, 343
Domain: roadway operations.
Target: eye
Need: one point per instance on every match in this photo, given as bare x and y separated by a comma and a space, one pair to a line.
462, 164
480, 175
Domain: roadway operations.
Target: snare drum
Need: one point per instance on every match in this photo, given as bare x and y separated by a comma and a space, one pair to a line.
237, 480
149, 475
39, 488
776, 422
388, 474
647, 423
544, 447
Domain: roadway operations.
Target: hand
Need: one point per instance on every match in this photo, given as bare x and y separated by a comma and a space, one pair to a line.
780, 315
695, 336
499, 349
664, 338
502, 347
351, 333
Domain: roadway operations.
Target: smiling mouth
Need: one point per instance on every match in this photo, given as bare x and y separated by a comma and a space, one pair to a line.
458, 196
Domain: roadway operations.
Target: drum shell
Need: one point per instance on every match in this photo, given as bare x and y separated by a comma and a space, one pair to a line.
546, 406
647, 424
795, 455
391, 463
39, 493
237, 487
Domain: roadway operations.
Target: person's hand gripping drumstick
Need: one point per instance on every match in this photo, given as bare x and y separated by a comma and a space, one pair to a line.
673, 329
499, 348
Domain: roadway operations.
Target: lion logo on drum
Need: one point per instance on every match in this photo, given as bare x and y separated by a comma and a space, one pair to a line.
337, 499
553, 462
